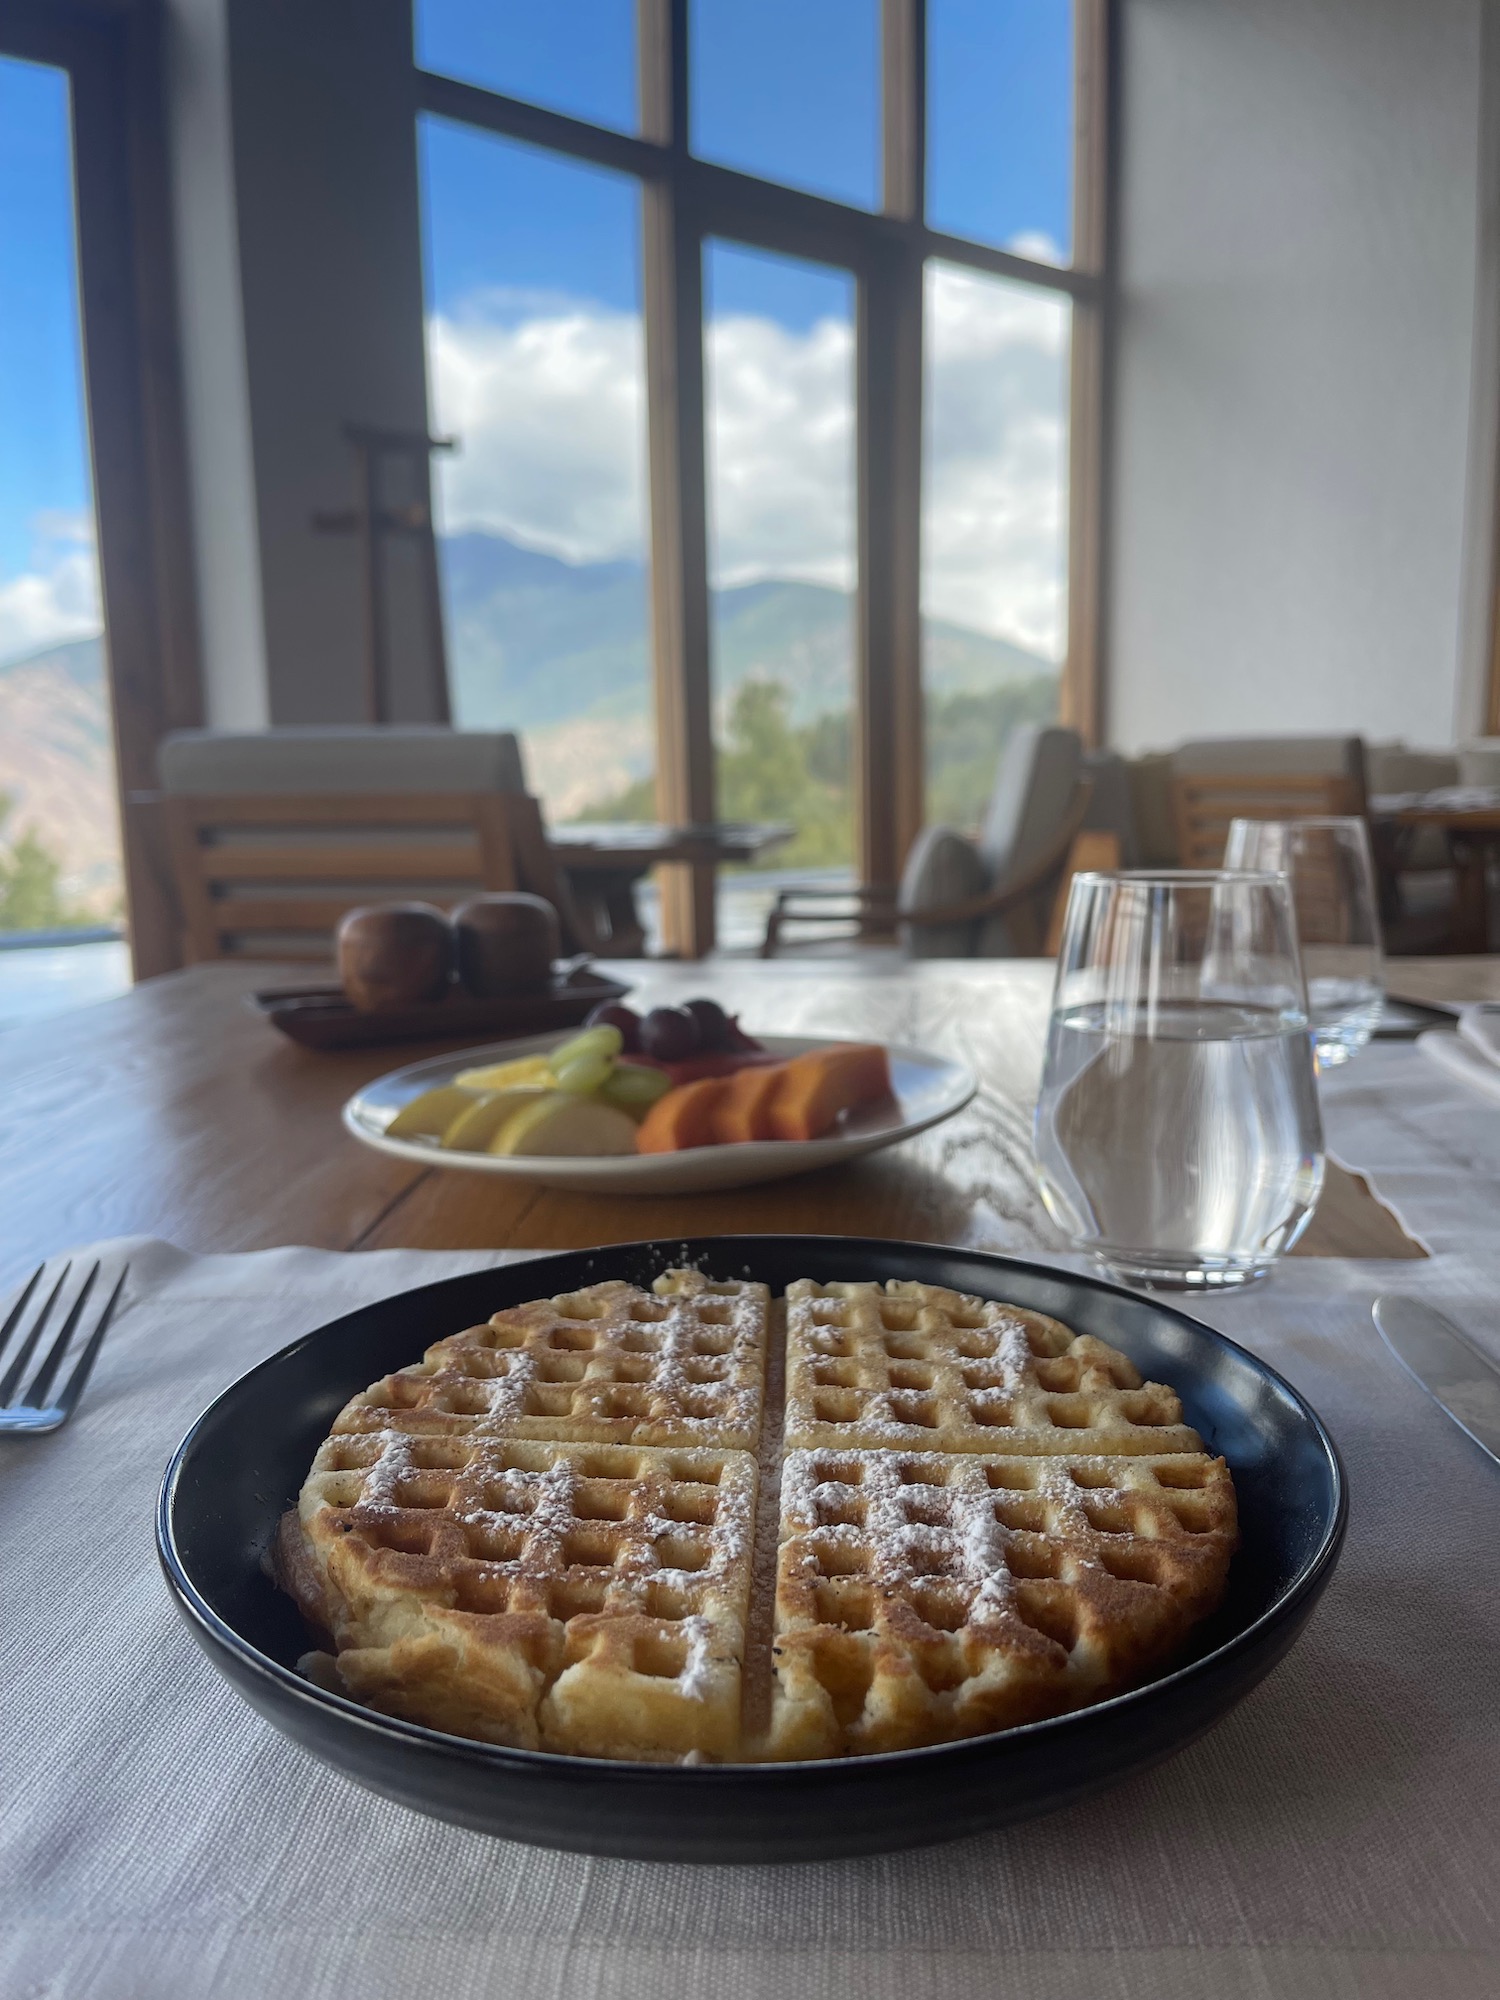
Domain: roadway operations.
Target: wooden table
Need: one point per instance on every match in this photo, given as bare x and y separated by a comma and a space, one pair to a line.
604, 862
1473, 835
173, 1111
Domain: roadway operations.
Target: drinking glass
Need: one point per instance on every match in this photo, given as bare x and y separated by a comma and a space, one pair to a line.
1338, 928
1177, 1137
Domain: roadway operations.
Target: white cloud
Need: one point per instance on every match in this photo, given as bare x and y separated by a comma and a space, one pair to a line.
781, 450
994, 522
549, 411
550, 421
58, 597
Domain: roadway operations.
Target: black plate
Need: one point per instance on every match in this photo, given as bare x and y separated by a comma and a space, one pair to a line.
247, 1455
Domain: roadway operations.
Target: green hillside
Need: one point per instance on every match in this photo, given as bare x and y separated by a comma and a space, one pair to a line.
534, 641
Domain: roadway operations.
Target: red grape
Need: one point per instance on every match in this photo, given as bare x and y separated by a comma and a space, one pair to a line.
670, 1034
713, 1024
610, 1014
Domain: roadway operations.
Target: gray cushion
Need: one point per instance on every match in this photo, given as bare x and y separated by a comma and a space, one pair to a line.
1391, 767
1479, 762
942, 867
1033, 789
210, 763
1275, 756
1111, 807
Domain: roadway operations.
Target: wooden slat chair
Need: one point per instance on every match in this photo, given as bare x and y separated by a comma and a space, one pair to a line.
1204, 805
1217, 779
268, 839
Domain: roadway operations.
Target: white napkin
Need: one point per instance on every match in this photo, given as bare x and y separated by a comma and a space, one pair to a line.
1480, 1028
1463, 1058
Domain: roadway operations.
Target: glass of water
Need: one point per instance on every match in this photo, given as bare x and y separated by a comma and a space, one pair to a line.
1177, 1137
1338, 926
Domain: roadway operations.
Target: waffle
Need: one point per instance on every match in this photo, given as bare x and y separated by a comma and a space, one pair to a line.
579, 1598
922, 1597
544, 1534
682, 1364
910, 1367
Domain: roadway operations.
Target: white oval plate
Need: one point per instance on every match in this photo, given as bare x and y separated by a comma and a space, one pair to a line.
928, 1089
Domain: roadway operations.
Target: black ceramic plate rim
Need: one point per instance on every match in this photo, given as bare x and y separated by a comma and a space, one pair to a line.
500, 1756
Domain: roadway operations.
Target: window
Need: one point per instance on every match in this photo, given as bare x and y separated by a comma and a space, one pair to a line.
789, 371
59, 820
535, 366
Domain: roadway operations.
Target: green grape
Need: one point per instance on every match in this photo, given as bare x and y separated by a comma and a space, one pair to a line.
605, 1041
585, 1073
634, 1088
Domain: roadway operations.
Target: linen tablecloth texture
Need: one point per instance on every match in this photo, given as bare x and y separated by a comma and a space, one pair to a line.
1338, 1835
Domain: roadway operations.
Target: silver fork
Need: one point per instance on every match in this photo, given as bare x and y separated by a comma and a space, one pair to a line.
35, 1409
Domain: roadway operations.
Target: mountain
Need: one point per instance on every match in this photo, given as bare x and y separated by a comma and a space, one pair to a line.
553, 649
57, 766
559, 651
533, 640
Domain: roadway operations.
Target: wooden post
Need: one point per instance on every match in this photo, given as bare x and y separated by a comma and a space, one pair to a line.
673, 286
888, 731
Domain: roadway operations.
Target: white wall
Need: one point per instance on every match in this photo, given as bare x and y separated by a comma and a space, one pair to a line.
300, 280
216, 393
1299, 223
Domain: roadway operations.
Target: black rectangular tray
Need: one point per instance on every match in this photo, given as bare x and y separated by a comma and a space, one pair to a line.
319, 1017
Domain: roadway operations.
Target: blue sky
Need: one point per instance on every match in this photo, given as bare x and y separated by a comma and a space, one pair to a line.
786, 88
43, 456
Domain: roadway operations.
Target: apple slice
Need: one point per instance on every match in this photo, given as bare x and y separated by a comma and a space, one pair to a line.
472, 1130
430, 1115
558, 1125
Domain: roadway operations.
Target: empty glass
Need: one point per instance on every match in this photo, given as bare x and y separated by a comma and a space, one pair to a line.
1338, 927
1177, 1136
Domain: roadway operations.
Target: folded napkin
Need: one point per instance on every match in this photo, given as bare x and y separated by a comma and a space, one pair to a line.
1337, 1835
1473, 1054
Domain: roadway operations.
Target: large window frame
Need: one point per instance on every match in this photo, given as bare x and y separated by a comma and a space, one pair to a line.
685, 201
111, 51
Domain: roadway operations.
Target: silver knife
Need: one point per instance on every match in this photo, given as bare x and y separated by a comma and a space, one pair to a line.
1462, 1382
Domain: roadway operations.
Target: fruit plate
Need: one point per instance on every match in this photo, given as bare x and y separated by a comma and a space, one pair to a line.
928, 1089
245, 1459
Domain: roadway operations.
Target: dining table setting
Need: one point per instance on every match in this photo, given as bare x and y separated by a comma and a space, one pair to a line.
1148, 1291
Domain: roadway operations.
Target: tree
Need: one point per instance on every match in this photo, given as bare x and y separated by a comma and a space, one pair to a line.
31, 898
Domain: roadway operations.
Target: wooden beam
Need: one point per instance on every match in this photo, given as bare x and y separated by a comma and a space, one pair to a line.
673, 294
1082, 697
127, 294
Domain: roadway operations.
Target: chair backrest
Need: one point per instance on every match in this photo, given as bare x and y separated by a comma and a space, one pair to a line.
269, 875
1392, 767
1272, 756
1112, 806
1479, 762
1033, 790
1204, 806
216, 763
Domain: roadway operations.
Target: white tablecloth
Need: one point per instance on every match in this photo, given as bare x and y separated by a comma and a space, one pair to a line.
1338, 1835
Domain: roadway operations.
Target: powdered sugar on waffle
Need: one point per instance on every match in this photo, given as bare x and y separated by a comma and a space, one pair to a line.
967, 1546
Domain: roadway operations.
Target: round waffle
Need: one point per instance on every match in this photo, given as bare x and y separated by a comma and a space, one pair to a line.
544, 1534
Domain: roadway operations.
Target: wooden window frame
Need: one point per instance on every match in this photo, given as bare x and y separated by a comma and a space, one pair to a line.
686, 200
111, 51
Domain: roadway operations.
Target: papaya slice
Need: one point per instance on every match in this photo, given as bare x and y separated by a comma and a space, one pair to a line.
683, 1118
743, 1111
817, 1088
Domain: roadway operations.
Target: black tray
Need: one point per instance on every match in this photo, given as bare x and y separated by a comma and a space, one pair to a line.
247, 1455
319, 1017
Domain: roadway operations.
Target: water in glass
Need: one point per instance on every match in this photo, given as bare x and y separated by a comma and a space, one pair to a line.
1177, 1135
1328, 863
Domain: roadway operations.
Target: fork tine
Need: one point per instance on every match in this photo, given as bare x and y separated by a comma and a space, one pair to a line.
17, 1368
20, 1306
83, 1367
35, 1398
